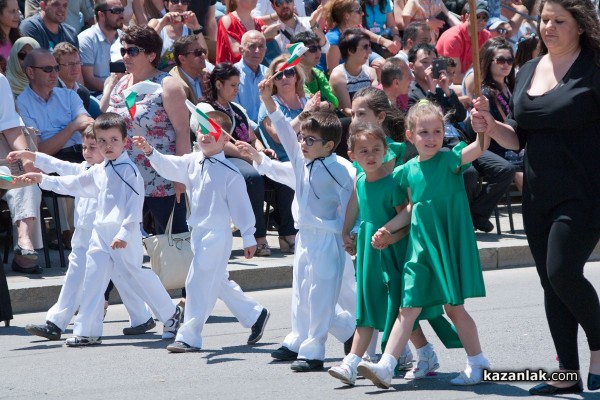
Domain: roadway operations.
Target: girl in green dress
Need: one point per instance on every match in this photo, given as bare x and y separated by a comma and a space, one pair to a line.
442, 262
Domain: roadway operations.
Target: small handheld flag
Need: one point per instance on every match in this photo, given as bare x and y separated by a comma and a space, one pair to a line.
207, 125
296, 50
140, 88
5, 175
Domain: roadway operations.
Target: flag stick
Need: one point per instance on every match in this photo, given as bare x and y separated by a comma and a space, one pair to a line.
475, 56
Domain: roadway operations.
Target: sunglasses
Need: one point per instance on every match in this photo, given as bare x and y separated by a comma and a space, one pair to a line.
182, 2
502, 60
502, 31
288, 73
310, 140
279, 3
314, 48
115, 10
197, 53
131, 51
482, 17
48, 68
21, 55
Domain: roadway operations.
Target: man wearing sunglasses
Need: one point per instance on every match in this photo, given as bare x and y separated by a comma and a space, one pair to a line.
57, 113
264, 10
191, 67
97, 41
49, 27
455, 43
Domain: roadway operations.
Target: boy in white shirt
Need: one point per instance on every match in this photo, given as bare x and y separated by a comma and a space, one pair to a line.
116, 236
61, 313
323, 188
217, 193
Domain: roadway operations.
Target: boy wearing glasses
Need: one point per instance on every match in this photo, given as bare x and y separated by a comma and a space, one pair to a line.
323, 188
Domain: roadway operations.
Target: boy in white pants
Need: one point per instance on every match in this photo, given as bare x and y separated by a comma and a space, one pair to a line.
323, 188
217, 192
116, 236
61, 313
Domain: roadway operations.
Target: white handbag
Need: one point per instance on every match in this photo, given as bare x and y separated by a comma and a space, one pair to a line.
171, 254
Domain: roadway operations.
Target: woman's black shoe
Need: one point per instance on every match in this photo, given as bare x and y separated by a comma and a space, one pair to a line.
31, 254
36, 269
593, 382
545, 389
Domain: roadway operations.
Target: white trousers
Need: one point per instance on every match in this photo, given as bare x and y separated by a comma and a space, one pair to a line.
343, 323
208, 280
61, 313
102, 262
318, 268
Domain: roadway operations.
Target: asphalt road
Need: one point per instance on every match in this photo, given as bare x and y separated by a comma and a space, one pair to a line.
510, 319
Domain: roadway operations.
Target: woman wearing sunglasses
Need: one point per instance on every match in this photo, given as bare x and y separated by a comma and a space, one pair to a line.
498, 81
348, 78
15, 69
162, 118
176, 23
9, 26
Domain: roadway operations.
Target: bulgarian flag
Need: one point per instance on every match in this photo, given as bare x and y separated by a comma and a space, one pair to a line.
140, 88
296, 50
207, 125
5, 175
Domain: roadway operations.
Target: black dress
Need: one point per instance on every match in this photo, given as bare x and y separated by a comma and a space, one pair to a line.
5, 306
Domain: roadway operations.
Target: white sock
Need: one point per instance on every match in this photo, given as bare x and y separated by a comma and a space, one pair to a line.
352, 360
388, 361
425, 351
477, 361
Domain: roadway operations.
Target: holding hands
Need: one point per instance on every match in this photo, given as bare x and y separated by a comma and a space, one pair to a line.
350, 243
20, 155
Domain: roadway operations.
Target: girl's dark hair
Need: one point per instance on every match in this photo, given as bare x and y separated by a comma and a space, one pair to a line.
525, 48
14, 33
586, 16
144, 37
221, 72
486, 60
358, 129
377, 101
349, 41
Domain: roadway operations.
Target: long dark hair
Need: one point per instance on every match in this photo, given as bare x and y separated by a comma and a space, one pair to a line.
586, 16
525, 48
221, 72
487, 58
365, 3
14, 33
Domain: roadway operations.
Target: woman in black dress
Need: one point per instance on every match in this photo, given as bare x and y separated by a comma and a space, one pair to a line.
556, 117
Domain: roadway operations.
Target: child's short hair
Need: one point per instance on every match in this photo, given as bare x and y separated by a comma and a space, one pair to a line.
358, 129
222, 119
88, 133
391, 69
327, 125
424, 108
110, 120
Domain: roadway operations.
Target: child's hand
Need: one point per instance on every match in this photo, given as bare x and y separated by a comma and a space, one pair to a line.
118, 244
249, 251
350, 244
30, 178
15, 156
248, 151
142, 144
381, 239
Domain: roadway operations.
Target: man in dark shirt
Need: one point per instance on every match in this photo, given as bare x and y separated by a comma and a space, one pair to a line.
205, 13
49, 27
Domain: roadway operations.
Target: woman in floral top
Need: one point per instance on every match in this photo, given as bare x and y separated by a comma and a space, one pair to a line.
224, 84
162, 118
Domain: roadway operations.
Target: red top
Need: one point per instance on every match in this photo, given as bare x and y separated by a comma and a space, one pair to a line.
235, 31
456, 43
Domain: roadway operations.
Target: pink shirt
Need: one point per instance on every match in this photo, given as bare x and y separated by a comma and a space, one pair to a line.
5, 49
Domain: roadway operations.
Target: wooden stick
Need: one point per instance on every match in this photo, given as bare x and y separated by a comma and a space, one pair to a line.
475, 56
273, 76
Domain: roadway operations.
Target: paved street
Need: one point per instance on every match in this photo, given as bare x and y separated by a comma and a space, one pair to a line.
510, 319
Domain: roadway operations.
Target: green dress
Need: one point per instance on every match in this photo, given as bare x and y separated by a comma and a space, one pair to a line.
442, 261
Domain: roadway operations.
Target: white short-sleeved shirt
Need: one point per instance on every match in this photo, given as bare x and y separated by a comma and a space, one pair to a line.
95, 50
9, 118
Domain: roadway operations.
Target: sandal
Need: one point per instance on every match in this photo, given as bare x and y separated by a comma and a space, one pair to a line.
286, 246
263, 250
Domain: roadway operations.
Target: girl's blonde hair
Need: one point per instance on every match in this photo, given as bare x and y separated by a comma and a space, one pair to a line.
358, 129
423, 109
276, 63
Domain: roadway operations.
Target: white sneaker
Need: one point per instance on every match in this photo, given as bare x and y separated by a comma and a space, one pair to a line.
405, 362
472, 375
344, 373
78, 341
172, 324
376, 373
425, 367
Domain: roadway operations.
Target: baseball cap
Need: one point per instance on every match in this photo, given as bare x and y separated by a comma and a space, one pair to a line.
495, 22
480, 7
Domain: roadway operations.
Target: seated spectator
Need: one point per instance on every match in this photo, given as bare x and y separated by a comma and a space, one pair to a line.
315, 80
346, 14
75, 7
456, 41
432, 12
176, 23
191, 67
396, 78
528, 48
252, 72
67, 57
57, 113
264, 9
150, 9
232, 27
348, 78
415, 33
206, 15
15, 69
224, 81
9, 26
379, 19
96, 42
48, 27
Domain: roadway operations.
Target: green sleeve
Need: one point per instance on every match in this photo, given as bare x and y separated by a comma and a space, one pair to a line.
455, 157
326, 92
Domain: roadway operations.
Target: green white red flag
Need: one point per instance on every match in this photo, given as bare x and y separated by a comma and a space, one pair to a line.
206, 124
140, 88
296, 50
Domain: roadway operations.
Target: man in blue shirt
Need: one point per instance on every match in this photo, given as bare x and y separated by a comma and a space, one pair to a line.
57, 113
254, 47
48, 27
